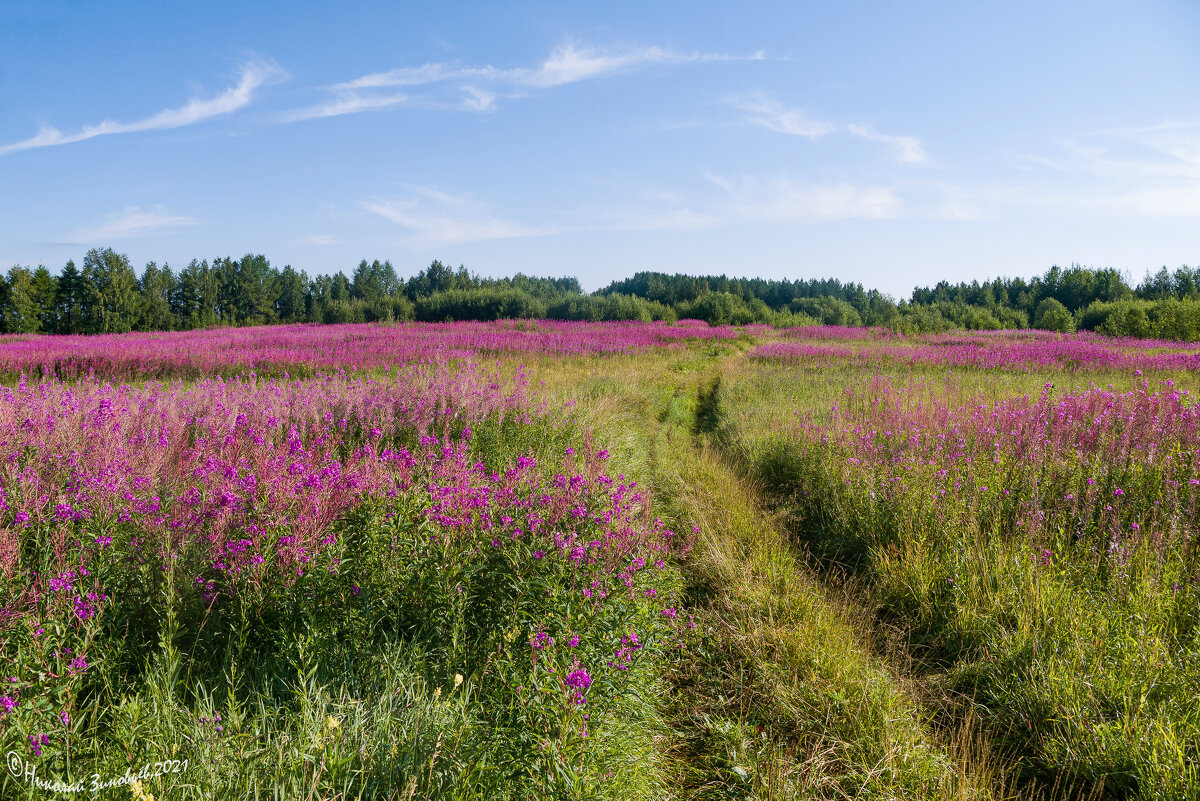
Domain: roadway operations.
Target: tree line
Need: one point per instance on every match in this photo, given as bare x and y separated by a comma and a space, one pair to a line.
105, 295
1165, 305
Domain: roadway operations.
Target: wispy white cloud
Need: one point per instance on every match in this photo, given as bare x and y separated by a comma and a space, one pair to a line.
476, 99
569, 63
1151, 171
415, 76
762, 109
346, 103
909, 149
1155, 153
319, 240
433, 218
252, 76
782, 199
480, 88
773, 115
751, 199
131, 222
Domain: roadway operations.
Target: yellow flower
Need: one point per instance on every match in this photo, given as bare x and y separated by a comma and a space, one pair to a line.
458, 679
332, 722
437, 693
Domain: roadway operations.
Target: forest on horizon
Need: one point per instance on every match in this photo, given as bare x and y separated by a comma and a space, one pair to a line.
106, 295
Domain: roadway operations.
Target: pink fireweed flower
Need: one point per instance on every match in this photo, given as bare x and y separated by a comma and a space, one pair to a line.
36, 741
580, 679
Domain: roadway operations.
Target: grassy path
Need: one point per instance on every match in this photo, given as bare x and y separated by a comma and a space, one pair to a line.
780, 695
1048, 667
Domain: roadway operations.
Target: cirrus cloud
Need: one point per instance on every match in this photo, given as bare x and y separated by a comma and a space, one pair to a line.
131, 222
762, 109
433, 217
479, 88
253, 75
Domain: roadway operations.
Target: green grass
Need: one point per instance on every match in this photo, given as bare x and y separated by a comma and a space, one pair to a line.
848, 643
1083, 669
780, 693
396, 668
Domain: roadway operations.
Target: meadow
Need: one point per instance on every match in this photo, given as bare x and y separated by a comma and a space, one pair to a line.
538, 559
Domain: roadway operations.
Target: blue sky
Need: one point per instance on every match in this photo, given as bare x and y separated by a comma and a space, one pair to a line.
893, 144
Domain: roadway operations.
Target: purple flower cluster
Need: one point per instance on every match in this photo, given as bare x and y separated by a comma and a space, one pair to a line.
623, 656
218, 464
1033, 460
36, 741
580, 679
880, 423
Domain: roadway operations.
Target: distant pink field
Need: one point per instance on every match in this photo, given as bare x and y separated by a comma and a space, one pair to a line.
1004, 350
314, 348
228, 351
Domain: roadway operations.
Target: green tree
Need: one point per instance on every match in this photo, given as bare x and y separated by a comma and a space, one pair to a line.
195, 298
715, 308
225, 277
156, 288
320, 295
365, 284
45, 291
291, 296
19, 310
255, 290
339, 289
69, 300
436, 278
1127, 319
1053, 316
111, 287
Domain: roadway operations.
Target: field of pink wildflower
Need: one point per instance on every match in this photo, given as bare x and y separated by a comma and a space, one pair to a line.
309, 348
429, 538
1023, 508
998, 350
384, 562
